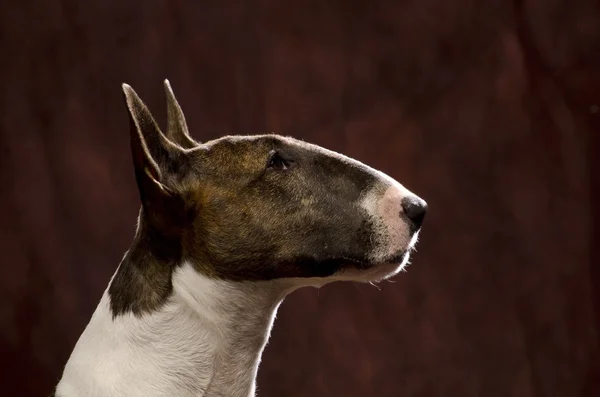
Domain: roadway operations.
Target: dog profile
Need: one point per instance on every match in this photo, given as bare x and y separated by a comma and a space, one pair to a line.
228, 228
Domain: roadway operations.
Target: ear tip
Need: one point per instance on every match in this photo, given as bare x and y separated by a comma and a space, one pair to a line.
127, 90
168, 86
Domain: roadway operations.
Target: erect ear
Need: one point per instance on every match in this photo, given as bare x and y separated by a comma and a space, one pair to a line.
156, 162
177, 130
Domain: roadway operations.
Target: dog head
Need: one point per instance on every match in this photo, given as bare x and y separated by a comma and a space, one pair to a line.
267, 207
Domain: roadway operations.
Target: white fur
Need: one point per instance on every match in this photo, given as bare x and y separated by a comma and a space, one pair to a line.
385, 208
206, 341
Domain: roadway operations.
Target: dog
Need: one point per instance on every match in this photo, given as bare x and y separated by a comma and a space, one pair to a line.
227, 229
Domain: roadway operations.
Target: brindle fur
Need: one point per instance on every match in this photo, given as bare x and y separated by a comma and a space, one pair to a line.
219, 206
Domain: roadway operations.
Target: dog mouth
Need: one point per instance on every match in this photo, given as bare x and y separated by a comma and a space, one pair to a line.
363, 268
369, 271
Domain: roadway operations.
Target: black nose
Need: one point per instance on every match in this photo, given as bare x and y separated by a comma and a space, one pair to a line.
415, 210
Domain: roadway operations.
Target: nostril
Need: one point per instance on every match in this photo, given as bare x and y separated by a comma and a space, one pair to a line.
415, 209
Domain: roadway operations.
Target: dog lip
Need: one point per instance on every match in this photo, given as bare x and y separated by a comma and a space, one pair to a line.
360, 264
366, 264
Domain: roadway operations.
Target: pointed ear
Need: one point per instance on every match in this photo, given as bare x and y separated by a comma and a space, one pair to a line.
154, 159
177, 130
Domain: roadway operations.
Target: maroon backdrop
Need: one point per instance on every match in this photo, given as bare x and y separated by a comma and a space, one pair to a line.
489, 110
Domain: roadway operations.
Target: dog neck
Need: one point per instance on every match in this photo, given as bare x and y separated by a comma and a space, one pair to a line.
236, 318
206, 340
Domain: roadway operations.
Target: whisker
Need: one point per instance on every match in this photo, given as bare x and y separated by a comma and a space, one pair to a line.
375, 285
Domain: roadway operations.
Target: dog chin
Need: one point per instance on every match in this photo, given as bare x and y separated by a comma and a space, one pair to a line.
388, 268
395, 268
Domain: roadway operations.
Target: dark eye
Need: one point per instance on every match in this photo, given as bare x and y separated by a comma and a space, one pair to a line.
278, 163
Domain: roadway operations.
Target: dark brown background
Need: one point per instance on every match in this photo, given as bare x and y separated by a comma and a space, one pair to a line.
487, 109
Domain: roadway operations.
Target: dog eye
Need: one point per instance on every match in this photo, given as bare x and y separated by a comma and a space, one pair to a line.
278, 163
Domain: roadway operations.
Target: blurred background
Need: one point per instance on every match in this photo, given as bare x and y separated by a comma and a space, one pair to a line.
487, 109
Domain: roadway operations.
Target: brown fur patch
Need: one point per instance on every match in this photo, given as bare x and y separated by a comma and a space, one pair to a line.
222, 207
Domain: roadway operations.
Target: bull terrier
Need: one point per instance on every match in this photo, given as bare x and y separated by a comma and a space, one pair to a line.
227, 229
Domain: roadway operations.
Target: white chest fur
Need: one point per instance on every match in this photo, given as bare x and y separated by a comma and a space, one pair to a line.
205, 341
